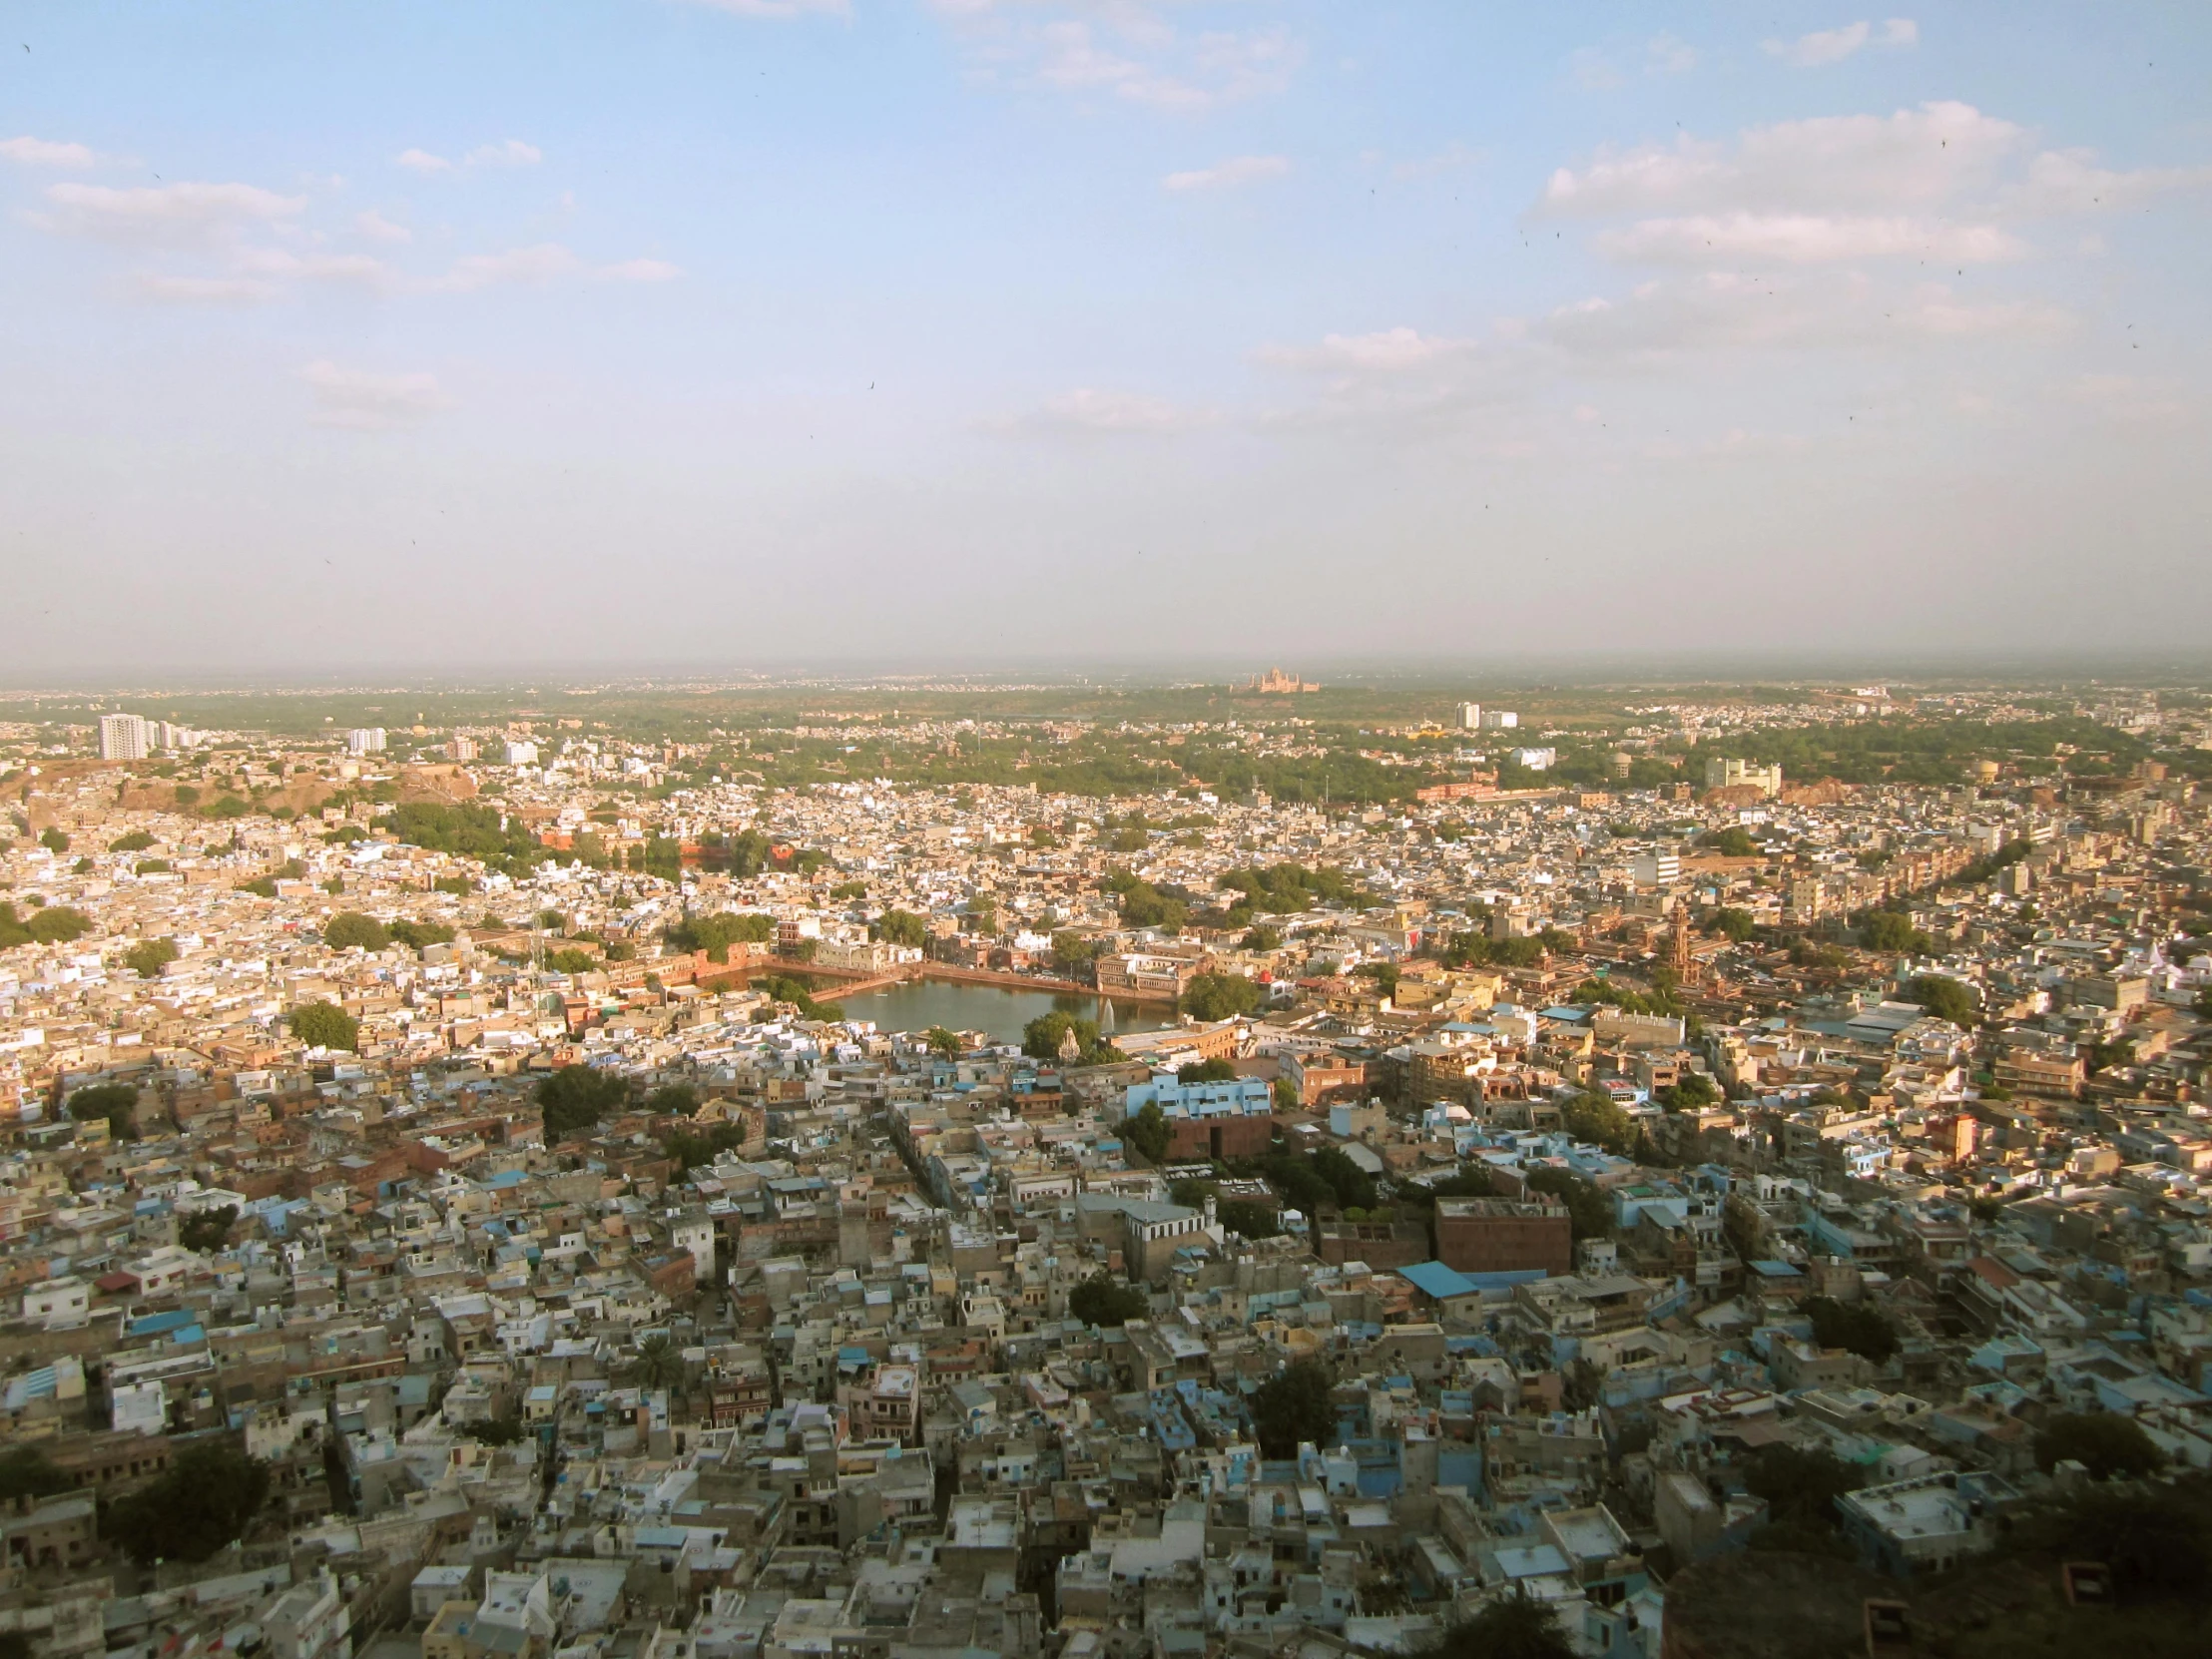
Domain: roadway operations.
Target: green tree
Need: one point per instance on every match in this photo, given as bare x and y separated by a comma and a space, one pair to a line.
148, 957
1891, 933
673, 1100
941, 1041
207, 1230
117, 1102
326, 1025
349, 928
52, 840
1855, 1325
1146, 1130
1733, 922
1514, 1627
1041, 1037
1286, 1095
418, 935
138, 840
2103, 1443
1215, 997
577, 1097
715, 933
1292, 1406
26, 1471
1106, 1302
1596, 1118
658, 1362
1588, 1213
1943, 996
900, 927
1353, 1186
1694, 1089
1801, 1488
59, 924
201, 1504
1263, 938
1732, 843
1249, 1217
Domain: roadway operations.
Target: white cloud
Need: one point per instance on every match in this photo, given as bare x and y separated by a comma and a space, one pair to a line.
206, 291
1594, 70
1238, 170
378, 228
1829, 46
182, 213
31, 152
639, 270
538, 264
1804, 238
1911, 159
2070, 181
1087, 411
1126, 49
773, 8
2130, 400
1387, 351
1736, 312
509, 153
362, 268
421, 161
360, 401
1665, 55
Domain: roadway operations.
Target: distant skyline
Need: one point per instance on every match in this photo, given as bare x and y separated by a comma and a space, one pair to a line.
574, 339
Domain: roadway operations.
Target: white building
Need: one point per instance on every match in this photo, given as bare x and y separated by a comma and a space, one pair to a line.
1730, 773
59, 1304
1660, 868
521, 753
1500, 720
1470, 717
125, 738
365, 739
1536, 759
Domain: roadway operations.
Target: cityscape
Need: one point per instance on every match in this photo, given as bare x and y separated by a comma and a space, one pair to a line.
1105, 829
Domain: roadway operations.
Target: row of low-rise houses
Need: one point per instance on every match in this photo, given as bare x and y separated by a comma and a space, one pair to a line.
785, 1354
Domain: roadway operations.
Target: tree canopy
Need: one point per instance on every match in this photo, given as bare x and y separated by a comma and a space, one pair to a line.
349, 928
1292, 1406
1943, 996
1857, 1326
203, 1502
900, 927
577, 1097
1107, 1301
1042, 1036
1146, 1129
324, 1025
148, 957
117, 1102
2103, 1443
1220, 997
1588, 1213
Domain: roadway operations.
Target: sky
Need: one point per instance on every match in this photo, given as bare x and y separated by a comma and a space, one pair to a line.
742, 334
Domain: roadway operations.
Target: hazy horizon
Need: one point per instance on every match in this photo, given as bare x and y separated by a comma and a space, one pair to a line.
653, 335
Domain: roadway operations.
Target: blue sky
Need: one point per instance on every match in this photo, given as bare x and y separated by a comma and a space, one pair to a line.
972, 331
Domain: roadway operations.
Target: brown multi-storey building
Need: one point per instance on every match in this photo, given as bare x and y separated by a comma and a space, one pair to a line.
1499, 1235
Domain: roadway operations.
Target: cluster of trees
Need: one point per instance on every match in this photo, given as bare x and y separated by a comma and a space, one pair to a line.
1042, 1036
1240, 1215
207, 1230
349, 928
1660, 1000
1473, 948
1801, 1488
1292, 1406
2104, 1443
785, 989
1892, 933
1213, 996
744, 855
1325, 1180
1284, 890
1107, 1301
1146, 1129
50, 925
1858, 1326
715, 933
692, 1148
148, 957
900, 927
1142, 904
575, 1098
326, 1025
1694, 1090
1588, 1213
117, 1102
1732, 843
203, 1502
1944, 997
480, 833
1597, 1118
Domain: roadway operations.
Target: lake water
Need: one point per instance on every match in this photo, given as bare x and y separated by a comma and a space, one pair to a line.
1001, 1013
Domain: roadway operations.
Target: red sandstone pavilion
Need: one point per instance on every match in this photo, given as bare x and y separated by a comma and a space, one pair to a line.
1274, 683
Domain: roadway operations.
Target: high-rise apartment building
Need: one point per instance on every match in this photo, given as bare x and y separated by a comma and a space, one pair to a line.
1500, 720
125, 738
461, 749
1731, 772
1470, 717
521, 753
365, 739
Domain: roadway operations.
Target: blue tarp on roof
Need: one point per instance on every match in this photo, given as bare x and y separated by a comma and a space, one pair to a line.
155, 1325
1434, 1279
